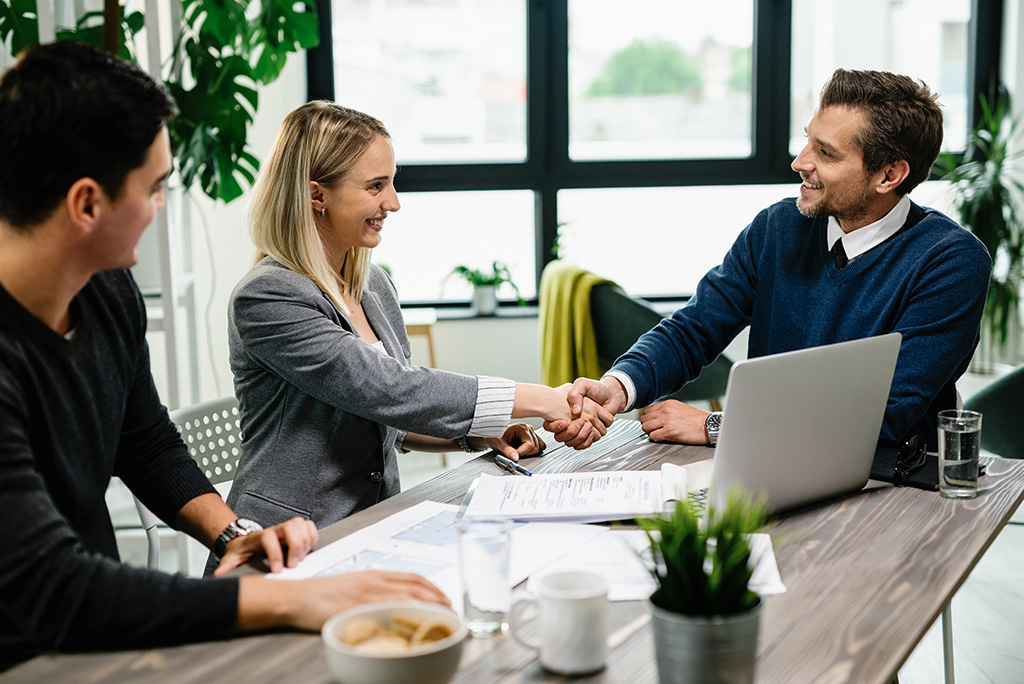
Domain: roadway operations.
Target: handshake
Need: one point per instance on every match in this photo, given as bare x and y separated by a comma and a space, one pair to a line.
588, 410
580, 413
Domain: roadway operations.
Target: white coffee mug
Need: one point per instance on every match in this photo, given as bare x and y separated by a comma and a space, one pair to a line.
573, 614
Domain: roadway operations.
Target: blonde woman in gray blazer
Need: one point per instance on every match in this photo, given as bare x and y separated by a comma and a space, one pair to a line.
318, 346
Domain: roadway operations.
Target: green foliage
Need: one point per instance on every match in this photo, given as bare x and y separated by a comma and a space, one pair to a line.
498, 274
224, 51
648, 68
740, 67
989, 198
703, 567
19, 24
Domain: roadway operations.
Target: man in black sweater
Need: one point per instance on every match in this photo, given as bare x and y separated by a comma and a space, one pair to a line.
85, 156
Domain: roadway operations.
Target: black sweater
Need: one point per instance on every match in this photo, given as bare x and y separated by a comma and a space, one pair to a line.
73, 413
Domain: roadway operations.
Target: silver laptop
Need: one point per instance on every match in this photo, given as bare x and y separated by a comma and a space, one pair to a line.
802, 426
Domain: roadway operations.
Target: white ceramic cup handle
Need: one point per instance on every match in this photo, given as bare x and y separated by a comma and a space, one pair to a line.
516, 621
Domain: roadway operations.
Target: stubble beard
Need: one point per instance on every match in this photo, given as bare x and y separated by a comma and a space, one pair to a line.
823, 209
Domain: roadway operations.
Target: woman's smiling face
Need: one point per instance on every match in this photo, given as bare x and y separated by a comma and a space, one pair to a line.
357, 205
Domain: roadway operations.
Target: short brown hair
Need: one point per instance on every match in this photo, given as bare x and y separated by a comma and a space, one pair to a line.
904, 120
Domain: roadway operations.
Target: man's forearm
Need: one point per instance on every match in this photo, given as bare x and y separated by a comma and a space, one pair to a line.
204, 518
263, 604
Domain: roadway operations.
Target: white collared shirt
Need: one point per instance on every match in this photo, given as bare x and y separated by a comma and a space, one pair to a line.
858, 241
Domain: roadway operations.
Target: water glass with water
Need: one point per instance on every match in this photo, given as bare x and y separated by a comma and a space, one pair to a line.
484, 546
959, 451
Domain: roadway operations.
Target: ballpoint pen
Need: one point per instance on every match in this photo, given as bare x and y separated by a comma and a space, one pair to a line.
508, 464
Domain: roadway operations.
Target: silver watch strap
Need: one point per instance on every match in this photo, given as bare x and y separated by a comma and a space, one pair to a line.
463, 443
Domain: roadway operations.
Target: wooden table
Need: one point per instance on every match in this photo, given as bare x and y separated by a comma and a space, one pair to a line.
867, 575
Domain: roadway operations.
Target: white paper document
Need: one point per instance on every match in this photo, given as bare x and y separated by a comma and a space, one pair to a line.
424, 539
623, 556
578, 497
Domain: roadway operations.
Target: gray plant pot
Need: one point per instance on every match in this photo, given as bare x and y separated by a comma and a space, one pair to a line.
485, 300
706, 649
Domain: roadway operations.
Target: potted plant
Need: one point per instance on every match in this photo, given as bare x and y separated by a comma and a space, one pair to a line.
485, 286
223, 51
988, 197
704, 616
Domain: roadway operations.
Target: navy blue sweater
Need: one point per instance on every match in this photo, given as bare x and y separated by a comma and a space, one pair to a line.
72, 414
928, 281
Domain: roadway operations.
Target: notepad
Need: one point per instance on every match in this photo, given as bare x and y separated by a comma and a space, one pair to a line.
578, 497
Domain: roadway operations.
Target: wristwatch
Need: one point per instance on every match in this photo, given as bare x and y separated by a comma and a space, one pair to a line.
463, 443
713, 423
238, 528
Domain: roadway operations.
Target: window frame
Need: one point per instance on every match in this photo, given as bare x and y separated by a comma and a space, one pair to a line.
548, 168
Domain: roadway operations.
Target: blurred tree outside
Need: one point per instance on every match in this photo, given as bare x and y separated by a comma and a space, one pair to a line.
739, 76
649, 68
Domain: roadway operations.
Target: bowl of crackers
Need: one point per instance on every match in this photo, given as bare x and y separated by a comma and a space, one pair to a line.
394, 641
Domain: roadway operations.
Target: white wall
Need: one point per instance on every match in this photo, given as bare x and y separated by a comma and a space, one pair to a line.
222, 250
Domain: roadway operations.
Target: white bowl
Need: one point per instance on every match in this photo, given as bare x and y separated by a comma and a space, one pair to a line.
433, 663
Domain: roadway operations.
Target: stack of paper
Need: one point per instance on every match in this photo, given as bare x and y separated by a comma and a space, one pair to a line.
577, 497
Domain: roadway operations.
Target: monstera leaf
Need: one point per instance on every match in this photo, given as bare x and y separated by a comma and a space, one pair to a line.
223, 52
227, 49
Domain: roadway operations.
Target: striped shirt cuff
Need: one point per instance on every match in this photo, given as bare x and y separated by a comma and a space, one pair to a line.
494, 399
627, 382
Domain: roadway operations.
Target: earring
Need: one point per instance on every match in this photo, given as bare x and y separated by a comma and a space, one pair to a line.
322, 212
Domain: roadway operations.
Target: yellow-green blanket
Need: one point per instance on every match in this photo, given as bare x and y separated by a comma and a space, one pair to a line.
568, 347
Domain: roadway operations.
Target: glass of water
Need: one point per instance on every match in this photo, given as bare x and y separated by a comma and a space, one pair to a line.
959, 449
483, 558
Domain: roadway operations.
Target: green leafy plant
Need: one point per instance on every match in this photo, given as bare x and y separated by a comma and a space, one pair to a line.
223, 51
988, 197
702, 567
20, 25
496, 276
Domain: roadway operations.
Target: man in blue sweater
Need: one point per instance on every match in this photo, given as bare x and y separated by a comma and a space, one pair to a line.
85, 158
851, 257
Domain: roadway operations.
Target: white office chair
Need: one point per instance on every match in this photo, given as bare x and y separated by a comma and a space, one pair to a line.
212, 434
213, 437
149, 523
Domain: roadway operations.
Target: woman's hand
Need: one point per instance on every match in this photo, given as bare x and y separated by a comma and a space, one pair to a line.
520, 439
579, 432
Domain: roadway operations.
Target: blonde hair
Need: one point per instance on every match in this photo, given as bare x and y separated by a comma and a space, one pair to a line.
319, 142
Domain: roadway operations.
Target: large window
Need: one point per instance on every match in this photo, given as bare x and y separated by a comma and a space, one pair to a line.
678, 87
927, 39
448, 78
635, 140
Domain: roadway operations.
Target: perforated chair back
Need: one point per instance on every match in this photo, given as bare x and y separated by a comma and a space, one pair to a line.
213, 437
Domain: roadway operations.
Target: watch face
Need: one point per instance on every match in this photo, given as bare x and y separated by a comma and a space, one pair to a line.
714, 421
248, 525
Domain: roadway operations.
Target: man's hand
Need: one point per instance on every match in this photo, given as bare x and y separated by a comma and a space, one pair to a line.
306, 604
607, 392
298, 535
520, 439
596, 403
674, 421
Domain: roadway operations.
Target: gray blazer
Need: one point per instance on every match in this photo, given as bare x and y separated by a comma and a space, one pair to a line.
320, 408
